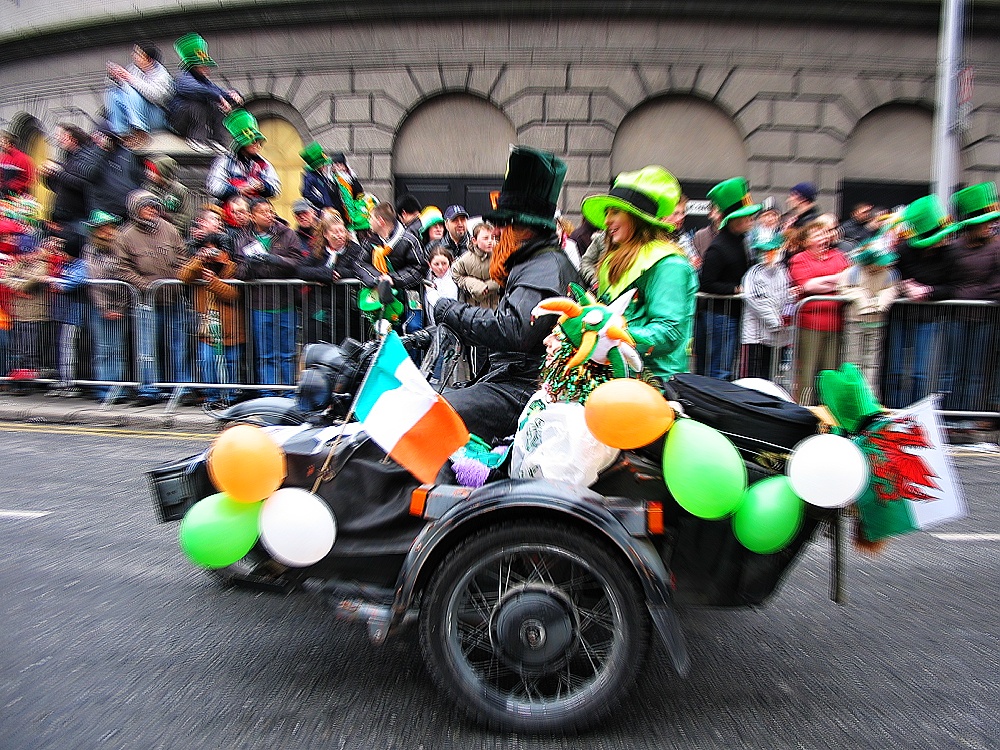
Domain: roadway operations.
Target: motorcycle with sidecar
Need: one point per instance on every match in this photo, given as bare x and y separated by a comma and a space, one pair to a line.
535, 600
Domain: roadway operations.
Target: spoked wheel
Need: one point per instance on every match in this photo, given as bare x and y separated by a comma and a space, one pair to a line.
534, 627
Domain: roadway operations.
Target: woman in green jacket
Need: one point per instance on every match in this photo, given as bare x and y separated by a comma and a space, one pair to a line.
642, 260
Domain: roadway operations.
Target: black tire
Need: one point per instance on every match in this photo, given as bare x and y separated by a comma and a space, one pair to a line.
534, 627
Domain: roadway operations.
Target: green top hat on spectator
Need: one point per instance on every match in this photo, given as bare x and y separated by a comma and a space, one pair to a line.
651, 194
732, 200
530, 189
928, 222
314, 156
99, 219
976, 204
874, 252
192, 49
243, 127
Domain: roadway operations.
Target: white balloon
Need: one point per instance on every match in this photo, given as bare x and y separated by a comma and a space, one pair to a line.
827, 470
296, 527
764, 386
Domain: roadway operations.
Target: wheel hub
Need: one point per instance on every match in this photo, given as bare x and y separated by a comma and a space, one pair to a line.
533, 630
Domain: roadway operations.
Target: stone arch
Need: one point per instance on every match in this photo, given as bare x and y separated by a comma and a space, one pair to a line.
694, 139
892, 143
455, 134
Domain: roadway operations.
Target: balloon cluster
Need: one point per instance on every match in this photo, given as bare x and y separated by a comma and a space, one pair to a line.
706, 475
247, 466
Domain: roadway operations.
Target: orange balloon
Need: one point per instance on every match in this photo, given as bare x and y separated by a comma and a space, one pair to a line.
246, 463
626, 413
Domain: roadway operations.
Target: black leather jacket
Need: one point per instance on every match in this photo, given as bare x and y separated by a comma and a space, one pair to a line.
538, 270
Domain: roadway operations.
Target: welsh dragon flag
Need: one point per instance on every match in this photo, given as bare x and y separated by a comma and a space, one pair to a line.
405, 416
913, 483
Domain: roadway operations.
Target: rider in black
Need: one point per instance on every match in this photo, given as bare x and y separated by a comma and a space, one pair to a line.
530, 265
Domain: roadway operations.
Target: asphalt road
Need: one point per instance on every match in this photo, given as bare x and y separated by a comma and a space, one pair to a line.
110, 639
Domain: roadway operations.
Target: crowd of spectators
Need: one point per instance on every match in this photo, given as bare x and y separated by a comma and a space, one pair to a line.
125, 255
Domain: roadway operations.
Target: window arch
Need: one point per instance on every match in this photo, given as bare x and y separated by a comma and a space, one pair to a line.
891, 143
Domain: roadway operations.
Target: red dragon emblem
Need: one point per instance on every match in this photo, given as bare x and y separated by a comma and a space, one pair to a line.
899, 472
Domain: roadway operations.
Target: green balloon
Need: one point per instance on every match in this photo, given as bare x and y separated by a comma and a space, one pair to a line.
769, 517
703, 470
218, 531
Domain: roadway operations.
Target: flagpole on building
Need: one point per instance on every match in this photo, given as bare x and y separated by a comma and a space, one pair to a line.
945, 167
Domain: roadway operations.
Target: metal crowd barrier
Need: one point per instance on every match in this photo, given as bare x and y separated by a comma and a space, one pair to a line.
110, 339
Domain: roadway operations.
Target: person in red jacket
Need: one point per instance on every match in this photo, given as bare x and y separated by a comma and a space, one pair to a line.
17, 171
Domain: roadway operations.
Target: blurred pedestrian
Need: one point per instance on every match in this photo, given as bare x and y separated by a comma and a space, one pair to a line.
243, 170
137, 96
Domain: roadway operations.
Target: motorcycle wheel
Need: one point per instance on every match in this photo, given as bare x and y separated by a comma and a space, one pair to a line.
534, 627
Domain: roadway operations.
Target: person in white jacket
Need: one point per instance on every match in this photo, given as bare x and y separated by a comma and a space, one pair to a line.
767, 300
137, 95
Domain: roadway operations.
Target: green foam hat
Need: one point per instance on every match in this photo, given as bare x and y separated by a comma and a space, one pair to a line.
192, 49
848, 396
100, 218
927, 222
976, 204
650, 193
242, 126
371, 305
314, 156
530, 189
732, 200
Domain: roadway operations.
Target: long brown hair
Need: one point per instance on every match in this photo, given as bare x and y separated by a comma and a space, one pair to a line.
319, 236
621, 257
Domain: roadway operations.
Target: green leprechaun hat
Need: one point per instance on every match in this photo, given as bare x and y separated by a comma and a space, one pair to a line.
242, 126
530, 189
976, 204
874, 252
848, 396
927, 221
314, 156
651, 194
192, 49
732, 200
370, 303
100, 218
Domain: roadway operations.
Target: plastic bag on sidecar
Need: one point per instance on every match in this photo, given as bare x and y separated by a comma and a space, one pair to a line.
553, 442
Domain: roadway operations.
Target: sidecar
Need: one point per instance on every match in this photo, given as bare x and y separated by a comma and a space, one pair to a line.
535, 599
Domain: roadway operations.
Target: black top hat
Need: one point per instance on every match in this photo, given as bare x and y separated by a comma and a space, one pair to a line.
530, 189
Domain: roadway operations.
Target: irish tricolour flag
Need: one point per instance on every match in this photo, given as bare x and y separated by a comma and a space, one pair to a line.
405, 416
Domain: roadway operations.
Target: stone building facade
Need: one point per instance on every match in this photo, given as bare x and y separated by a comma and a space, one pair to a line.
428, 102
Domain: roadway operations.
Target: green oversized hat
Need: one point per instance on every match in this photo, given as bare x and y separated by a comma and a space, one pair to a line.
314, 156
242, 126
732, 200
192, 49
530, 189
874, 252
848, 396
927, 222
976, 204
100, 218
651, 194
371, 305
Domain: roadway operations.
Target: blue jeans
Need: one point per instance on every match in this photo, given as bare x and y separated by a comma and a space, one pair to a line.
127, 110
108, 338
721, 345
219, 368
169, 323
274, 339
911, 352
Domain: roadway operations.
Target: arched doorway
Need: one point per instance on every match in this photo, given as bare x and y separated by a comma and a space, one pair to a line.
887, 158
693, 139
282, 149
28, 137
452, 149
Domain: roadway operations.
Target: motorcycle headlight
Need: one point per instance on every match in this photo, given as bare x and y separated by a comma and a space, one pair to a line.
313, 392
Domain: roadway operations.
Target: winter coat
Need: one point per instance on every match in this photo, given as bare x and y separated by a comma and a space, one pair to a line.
174, 196
976, 272
216, 295
17, 172
155, 86
231, 172
766, 298
660, 317
471, 273
145, 257
281, 260
102, 265
193, 88
28, 277
70, 187
803, 267
322, 193
871, 289
538, 270
405, 257
725, 264
112, 175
